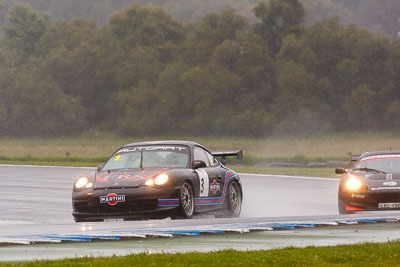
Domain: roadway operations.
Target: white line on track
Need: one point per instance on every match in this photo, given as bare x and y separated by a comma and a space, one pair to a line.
252, 174
291, 177
40, 166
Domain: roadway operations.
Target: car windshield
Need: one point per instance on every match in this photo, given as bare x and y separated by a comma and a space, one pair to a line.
384, 163
160, 156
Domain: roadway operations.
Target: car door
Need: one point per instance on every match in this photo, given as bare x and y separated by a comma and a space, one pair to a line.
216, 177
211, 179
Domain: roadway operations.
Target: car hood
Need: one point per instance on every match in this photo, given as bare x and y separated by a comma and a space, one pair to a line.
379, 176
125, 178
379, 182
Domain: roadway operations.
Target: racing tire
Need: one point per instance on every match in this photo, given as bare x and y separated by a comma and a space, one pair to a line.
86, 219
186, 201
234, 200
79, 219
342, 208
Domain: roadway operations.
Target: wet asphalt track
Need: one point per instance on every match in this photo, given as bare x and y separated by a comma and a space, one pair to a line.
42, 195
37, 200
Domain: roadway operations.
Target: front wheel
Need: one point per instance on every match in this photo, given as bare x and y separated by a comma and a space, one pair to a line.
78, 218
234, 200
186, 201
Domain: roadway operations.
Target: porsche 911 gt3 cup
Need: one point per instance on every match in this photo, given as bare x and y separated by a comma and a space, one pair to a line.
159, 179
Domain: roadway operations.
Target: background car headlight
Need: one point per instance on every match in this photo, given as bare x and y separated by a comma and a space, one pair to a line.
353, 184
82, 182
161, 179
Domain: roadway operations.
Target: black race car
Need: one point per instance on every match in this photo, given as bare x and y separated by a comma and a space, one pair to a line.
372, 184
159, 179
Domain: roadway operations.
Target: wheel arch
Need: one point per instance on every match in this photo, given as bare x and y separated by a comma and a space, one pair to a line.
237, 180
187, 180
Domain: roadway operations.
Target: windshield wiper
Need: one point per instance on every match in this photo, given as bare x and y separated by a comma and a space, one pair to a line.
368, 170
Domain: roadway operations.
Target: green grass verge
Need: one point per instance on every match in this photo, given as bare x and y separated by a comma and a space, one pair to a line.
52, 158
51, 163
256, 150
335, 146
94, 148
368, 254
94, 162
249, 160
310, 172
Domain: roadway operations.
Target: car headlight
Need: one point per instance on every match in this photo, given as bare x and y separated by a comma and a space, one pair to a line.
149, 182
353, 183
83, 182
161, 179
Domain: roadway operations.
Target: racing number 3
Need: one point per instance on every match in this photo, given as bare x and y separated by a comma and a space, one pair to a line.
204, 182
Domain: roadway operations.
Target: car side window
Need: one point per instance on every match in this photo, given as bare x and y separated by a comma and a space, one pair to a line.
213, 161
200, 154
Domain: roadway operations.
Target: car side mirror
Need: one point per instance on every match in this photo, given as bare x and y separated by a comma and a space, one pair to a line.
100, 167
340, 171
199, 164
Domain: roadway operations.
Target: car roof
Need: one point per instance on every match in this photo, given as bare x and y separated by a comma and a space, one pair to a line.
165, 142
376, 153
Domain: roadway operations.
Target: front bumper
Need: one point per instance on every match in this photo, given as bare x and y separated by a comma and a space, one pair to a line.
140, 202
371, 200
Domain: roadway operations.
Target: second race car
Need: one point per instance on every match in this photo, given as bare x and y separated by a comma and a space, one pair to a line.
159, 179
372, 184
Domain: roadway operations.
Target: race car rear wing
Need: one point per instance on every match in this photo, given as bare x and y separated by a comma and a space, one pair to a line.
237, 153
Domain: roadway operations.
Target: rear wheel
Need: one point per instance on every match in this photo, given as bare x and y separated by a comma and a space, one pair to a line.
186, 200
234, 200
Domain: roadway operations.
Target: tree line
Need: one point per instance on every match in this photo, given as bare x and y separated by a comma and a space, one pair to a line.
378, 16
145, 73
